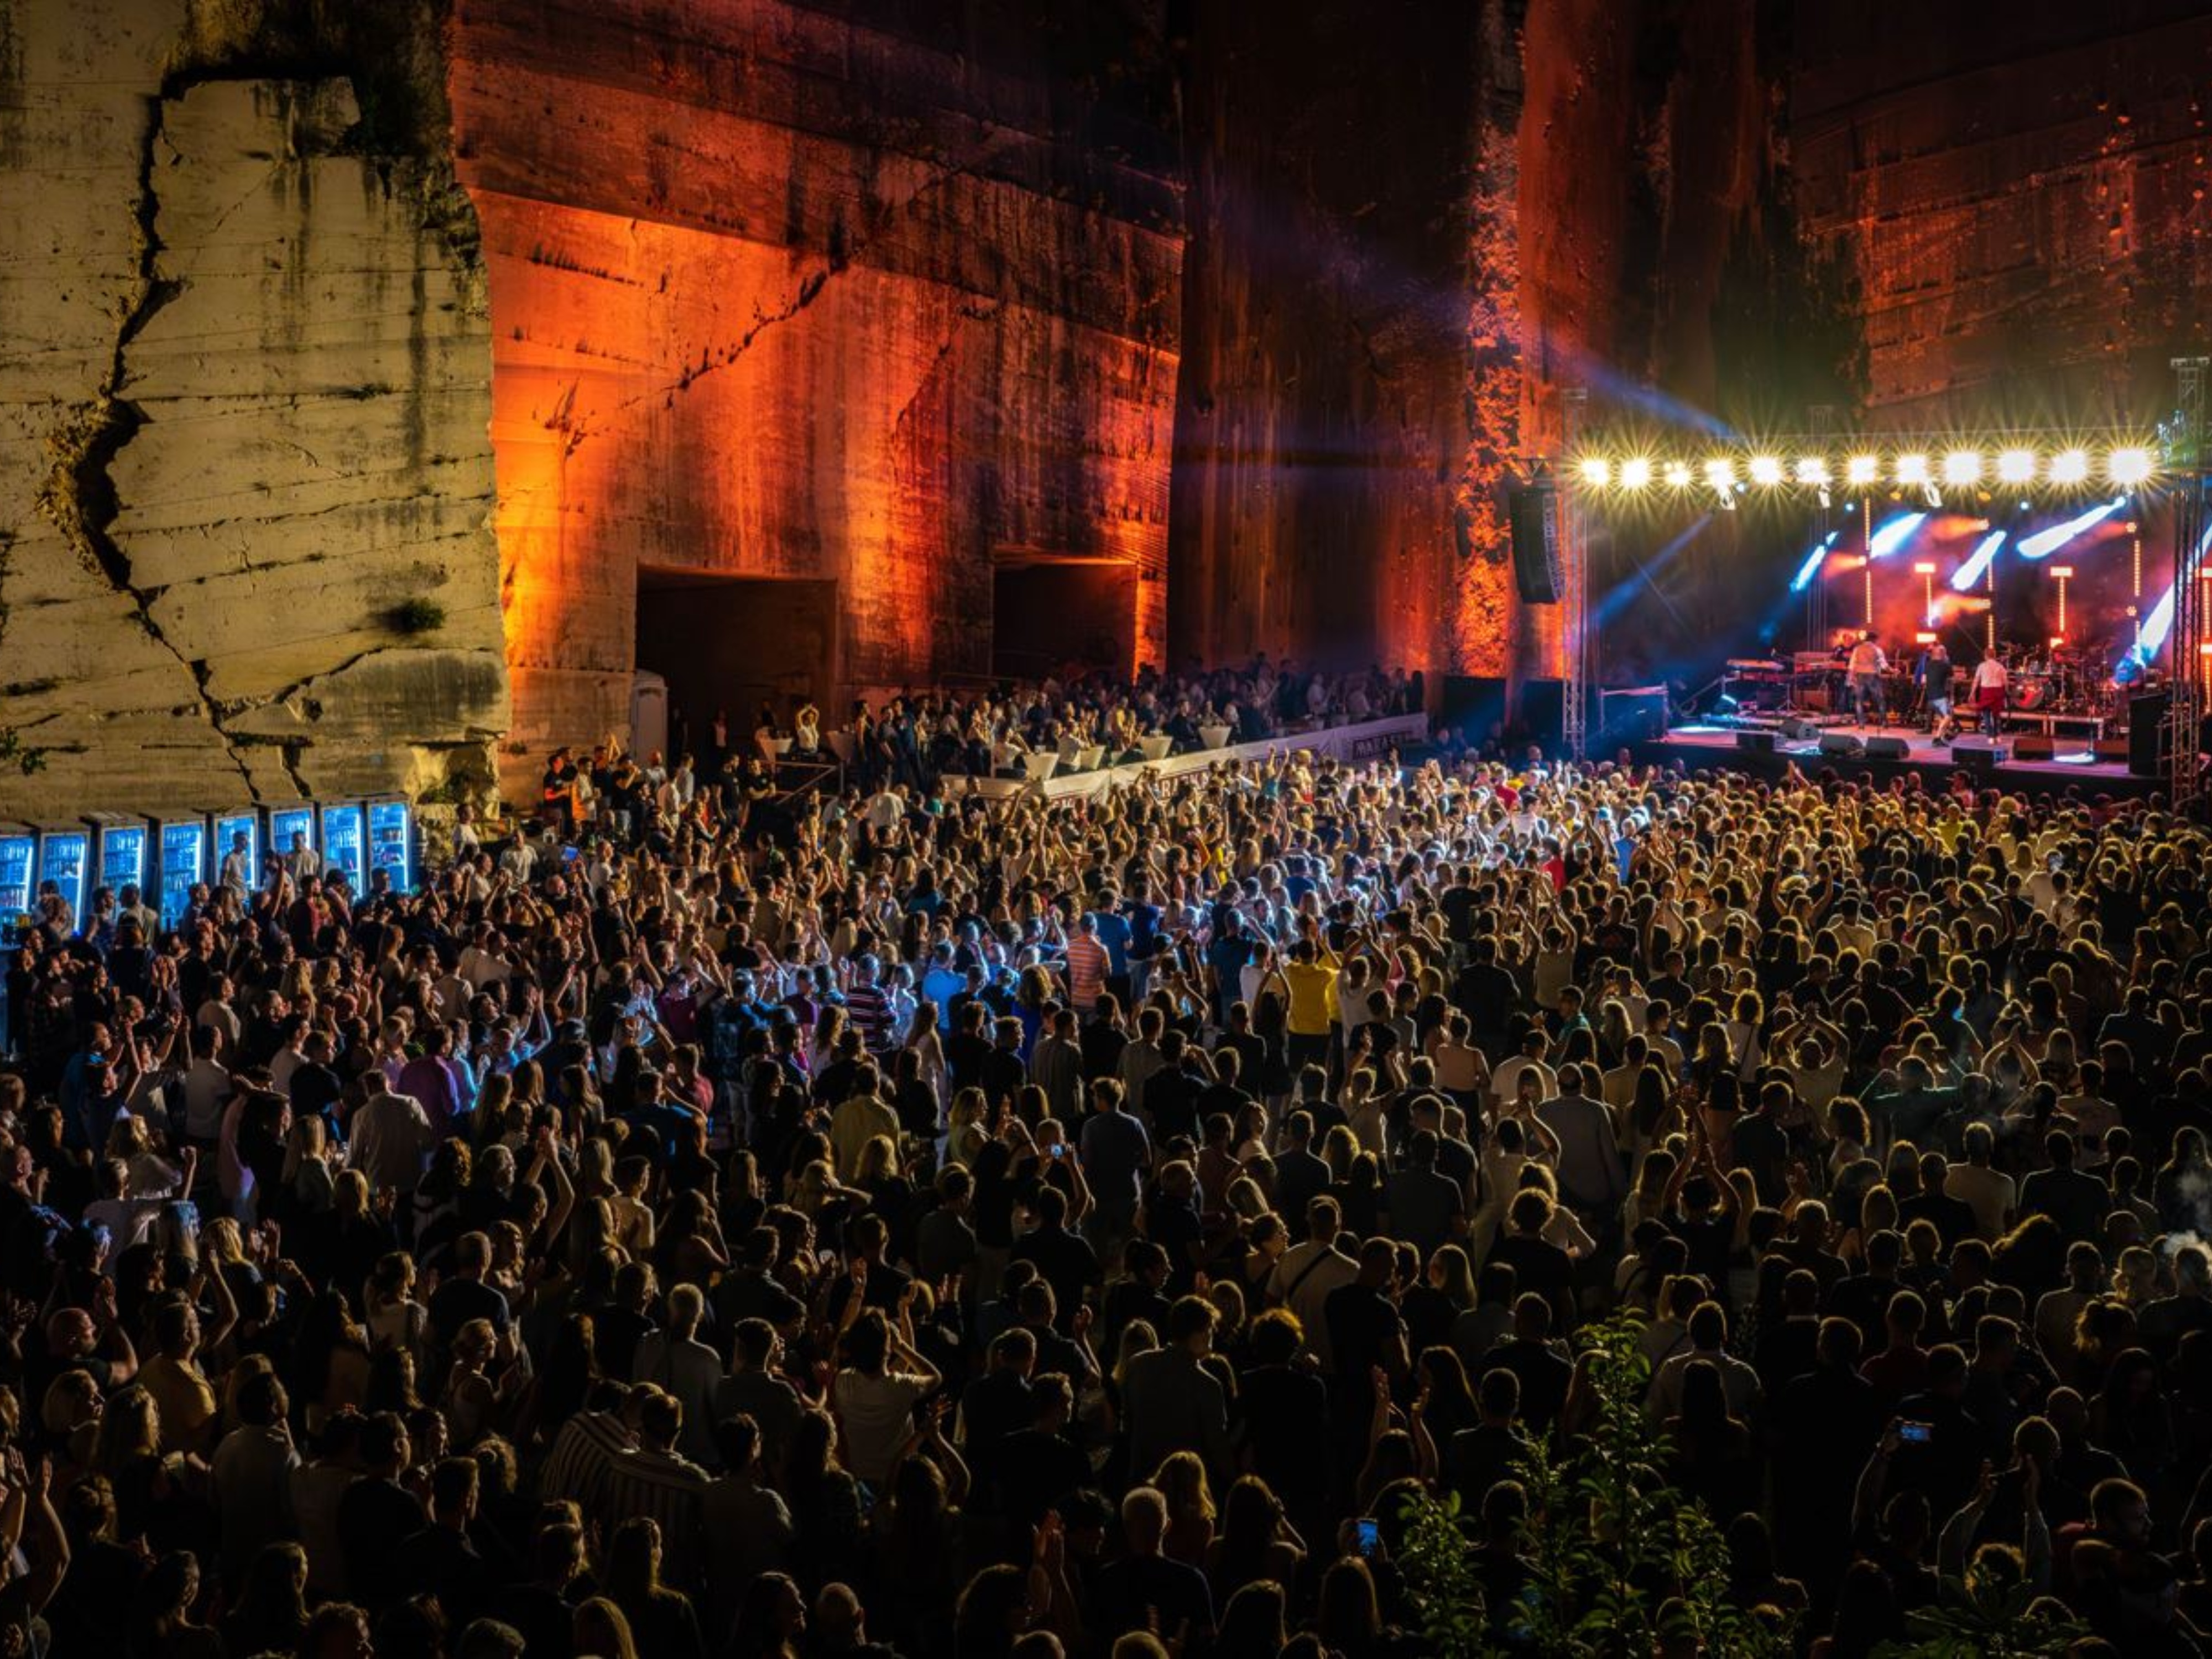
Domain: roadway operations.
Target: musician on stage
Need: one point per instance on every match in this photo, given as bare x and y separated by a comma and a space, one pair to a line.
1933, 671
2133, 669
1990, 681
1868, 666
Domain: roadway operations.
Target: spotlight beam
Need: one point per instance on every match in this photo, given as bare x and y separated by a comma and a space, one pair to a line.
2045, 543
1814, 561
1893, 535
2160, 624
1968, 576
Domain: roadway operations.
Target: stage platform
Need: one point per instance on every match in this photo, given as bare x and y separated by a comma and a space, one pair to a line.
2074, 762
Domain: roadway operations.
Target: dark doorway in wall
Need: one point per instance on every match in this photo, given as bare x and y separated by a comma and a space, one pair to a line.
1051, 614
734, 642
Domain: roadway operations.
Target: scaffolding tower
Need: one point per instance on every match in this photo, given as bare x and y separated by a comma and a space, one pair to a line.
1577, 636
2190, 470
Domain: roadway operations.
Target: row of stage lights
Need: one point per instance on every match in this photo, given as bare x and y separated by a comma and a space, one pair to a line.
2124, 468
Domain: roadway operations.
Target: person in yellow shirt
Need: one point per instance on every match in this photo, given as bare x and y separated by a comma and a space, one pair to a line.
1309, 977
180, 1388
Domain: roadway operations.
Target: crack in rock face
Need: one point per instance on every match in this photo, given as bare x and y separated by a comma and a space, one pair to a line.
265, 396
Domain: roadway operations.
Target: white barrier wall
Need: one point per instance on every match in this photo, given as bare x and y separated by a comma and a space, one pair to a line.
1369, 740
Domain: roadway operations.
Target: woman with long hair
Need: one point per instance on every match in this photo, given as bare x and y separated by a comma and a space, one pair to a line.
600, 1630
661, 1619
829, 1506
1181, 1480
1257, 1544
271, 1612
1252, 1621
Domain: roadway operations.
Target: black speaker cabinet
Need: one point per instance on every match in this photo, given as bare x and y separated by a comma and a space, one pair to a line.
1885, 747
1759, 742
1533, 511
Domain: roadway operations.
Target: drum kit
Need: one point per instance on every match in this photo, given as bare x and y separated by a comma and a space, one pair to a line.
2060, 679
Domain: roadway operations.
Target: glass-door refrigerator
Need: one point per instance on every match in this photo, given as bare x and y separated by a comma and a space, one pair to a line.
391, 842
344, 843
180, 849
240, 832
122, 843
18, 864
285, 823
64, 853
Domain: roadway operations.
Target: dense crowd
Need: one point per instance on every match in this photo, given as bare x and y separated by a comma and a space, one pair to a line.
876, 1224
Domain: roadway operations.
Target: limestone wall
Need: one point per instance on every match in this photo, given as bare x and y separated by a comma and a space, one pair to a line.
245, 472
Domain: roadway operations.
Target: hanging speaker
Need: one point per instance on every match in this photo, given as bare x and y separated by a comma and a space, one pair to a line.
1533, 511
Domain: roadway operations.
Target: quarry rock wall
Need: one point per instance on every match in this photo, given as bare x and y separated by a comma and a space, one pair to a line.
246, 469
853, 295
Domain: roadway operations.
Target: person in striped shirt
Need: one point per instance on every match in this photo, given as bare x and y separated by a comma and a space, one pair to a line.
652, 1478
1088, 962
867, 1005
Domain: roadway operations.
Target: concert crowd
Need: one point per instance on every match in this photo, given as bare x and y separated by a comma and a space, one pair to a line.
877, 1223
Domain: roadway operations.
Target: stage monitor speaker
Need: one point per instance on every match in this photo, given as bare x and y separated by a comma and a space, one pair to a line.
1759, 742
2034, 745
2147, 744
1980, 755
1797, 730
1533, 511
1888, 749
2111, 749
1842, 745
1627, 716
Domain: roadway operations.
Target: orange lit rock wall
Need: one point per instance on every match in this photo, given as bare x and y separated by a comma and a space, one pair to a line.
2023, 190
776, 292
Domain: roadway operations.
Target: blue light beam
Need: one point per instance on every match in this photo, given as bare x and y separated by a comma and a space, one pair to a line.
1894, 534
2159, 623
1814, 561
1968, 576
2047, 542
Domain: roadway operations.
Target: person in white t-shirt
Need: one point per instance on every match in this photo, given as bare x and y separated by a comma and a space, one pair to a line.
1989, 680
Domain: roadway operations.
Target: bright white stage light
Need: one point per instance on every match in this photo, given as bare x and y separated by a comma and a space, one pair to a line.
1636, 473
2017, 466
1765, 471
1862, 470
1597, 472
2127, 467
1721, 474
1678, 475
2070, 466
1912, 469
1962, 466
1812, 469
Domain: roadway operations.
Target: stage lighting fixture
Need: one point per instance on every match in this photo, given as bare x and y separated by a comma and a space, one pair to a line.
1924, 568
1597, 471
1678, 475
1912, 469
2127, 467
1721, 475
2017, 466
1812, 469
1862, 470
1962, 466
2070, 466
1635, 474
1765, 471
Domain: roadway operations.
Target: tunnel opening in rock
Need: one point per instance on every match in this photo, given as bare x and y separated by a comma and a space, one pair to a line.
1054, 616
736, 645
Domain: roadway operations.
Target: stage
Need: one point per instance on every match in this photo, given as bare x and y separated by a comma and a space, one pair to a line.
2073, 762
